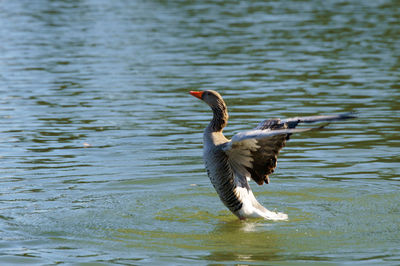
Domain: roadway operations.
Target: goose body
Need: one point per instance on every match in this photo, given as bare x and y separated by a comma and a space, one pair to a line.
248, 155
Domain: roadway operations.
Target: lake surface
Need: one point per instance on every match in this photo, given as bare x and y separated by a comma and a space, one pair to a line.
101, 144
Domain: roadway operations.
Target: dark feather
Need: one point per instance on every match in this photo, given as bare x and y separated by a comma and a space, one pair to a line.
265, 157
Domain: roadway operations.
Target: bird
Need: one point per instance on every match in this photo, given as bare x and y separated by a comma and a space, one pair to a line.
232, 163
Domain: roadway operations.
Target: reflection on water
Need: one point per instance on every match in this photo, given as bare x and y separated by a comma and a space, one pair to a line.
100, 143
243, 242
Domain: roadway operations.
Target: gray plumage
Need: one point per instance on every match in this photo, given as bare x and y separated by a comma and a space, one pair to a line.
250, 154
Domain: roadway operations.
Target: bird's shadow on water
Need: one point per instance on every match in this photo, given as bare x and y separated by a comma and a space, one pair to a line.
244, 241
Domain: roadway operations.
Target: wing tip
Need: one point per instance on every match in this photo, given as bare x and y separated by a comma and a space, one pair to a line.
261, 182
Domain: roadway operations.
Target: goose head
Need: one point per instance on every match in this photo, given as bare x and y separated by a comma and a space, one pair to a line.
218, 106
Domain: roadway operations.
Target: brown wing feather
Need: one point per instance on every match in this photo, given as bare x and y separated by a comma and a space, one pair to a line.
265, 158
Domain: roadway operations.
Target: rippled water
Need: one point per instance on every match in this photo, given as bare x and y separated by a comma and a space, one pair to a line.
100, 143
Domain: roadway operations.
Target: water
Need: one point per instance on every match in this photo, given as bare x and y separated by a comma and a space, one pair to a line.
100, 150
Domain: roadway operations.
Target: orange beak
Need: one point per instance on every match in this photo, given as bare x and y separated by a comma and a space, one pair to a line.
197, 94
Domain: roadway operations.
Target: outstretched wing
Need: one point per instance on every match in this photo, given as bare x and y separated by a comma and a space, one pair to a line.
254, 153
293, 122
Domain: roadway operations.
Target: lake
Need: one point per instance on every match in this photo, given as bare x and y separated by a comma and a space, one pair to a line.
101, 143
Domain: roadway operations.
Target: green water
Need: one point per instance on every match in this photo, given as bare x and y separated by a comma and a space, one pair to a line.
100, 142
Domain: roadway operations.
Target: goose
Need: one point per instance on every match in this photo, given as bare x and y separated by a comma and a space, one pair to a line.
252, 154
